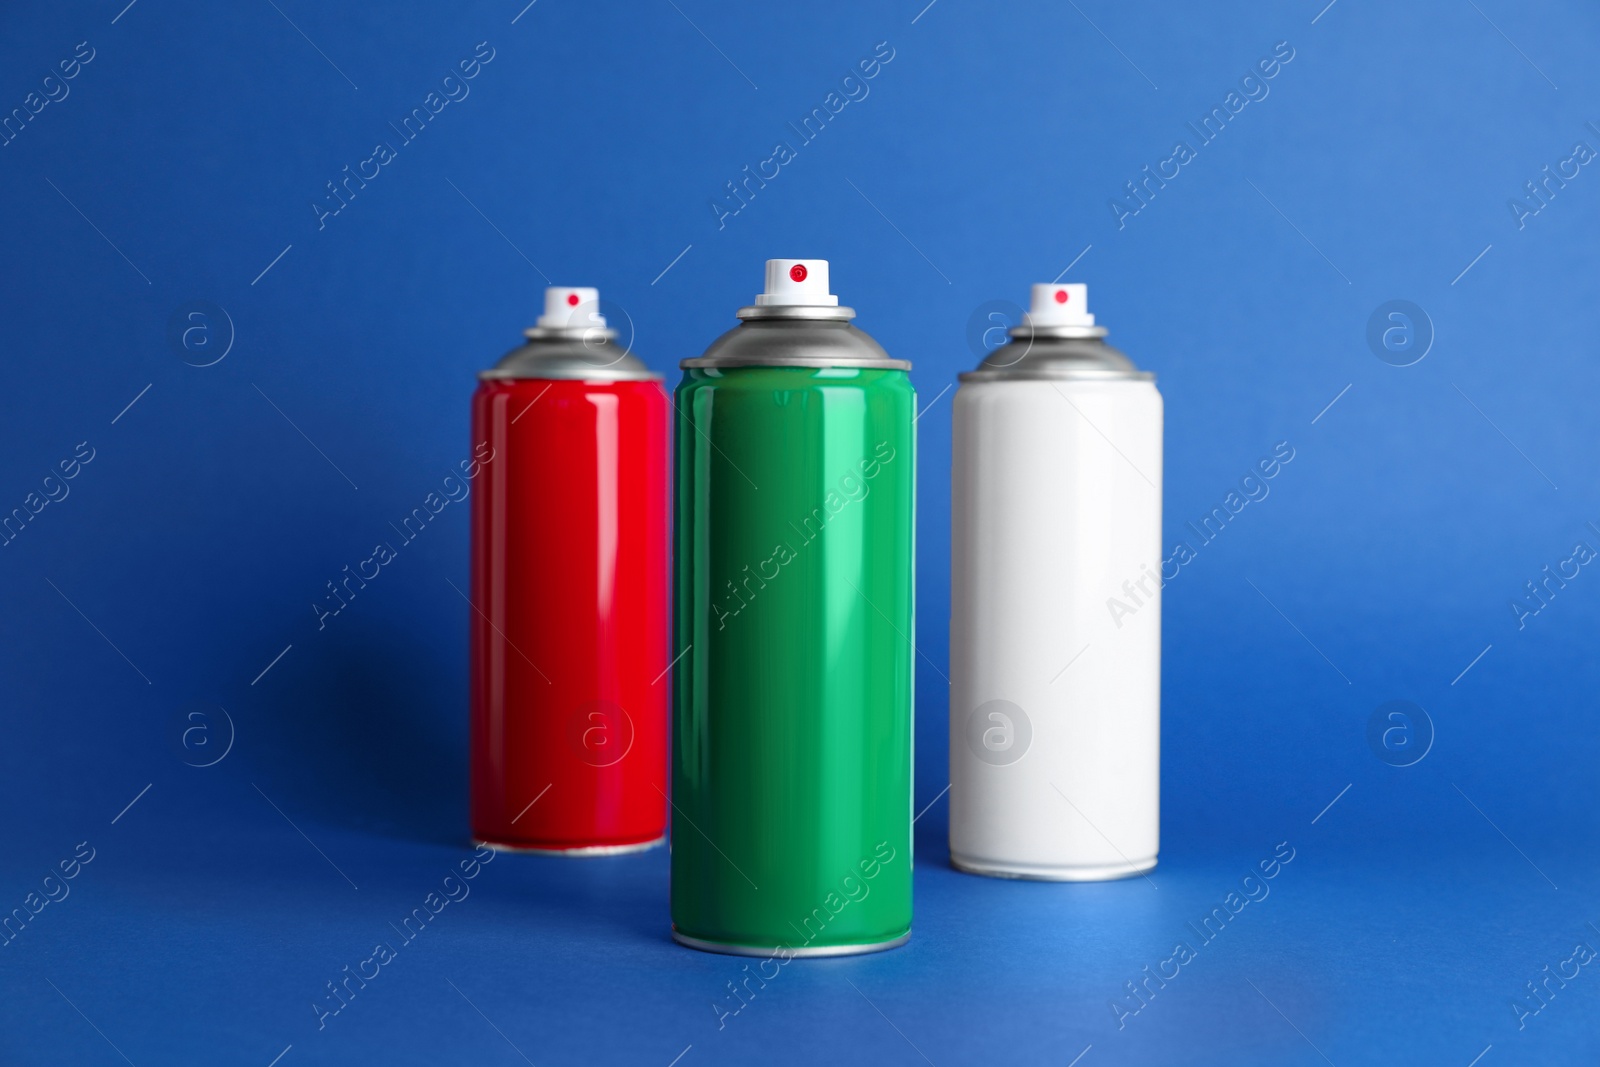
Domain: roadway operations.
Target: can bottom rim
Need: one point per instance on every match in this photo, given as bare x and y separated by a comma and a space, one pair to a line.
767, 951
1105, 872
571, 852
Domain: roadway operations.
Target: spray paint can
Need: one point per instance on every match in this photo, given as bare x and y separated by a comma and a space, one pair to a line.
792, 702
1055, 522
569, 616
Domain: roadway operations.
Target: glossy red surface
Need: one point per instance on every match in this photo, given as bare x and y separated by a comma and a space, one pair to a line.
570, 629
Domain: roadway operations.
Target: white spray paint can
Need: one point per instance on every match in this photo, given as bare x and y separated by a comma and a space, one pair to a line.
1055, 604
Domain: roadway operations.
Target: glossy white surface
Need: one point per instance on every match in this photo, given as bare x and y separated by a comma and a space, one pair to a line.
1055, 688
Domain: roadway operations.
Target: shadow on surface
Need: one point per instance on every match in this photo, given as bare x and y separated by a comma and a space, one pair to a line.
371, 733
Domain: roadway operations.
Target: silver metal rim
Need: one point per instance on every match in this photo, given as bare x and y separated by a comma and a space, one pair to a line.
772, 951
569, 333
1056, 353
1027, 329
797, 311
1055, 376
566, 355
578, 374
581, 852
1110, 872
867, 364
804, 336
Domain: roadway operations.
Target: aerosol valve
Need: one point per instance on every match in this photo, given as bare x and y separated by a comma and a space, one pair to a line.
567, 308
792, 282
1060, 305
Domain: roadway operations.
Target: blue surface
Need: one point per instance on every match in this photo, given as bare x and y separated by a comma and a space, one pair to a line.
177, 574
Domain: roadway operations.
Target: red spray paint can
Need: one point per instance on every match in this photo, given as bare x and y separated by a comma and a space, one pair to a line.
571, 532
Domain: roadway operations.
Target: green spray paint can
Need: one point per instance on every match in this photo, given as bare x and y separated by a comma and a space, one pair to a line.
792, 696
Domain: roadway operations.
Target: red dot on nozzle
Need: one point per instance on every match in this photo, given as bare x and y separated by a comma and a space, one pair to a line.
798, 272
572, 300
1061, 296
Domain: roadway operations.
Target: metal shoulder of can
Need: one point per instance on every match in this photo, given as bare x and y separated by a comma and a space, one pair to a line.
1056, 353
573, 354
795, 336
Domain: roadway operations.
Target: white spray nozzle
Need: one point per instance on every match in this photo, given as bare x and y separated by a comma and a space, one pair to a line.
797, 281
1060, 305
568, 308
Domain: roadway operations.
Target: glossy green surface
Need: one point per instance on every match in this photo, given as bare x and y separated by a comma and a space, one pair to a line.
792, 708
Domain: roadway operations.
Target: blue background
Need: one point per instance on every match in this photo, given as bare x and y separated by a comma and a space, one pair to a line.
187, 553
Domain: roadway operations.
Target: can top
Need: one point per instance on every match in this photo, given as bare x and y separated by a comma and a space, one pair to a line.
797, 282
796, 322
1060, 305
571, 341
1057, 339
569, 307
